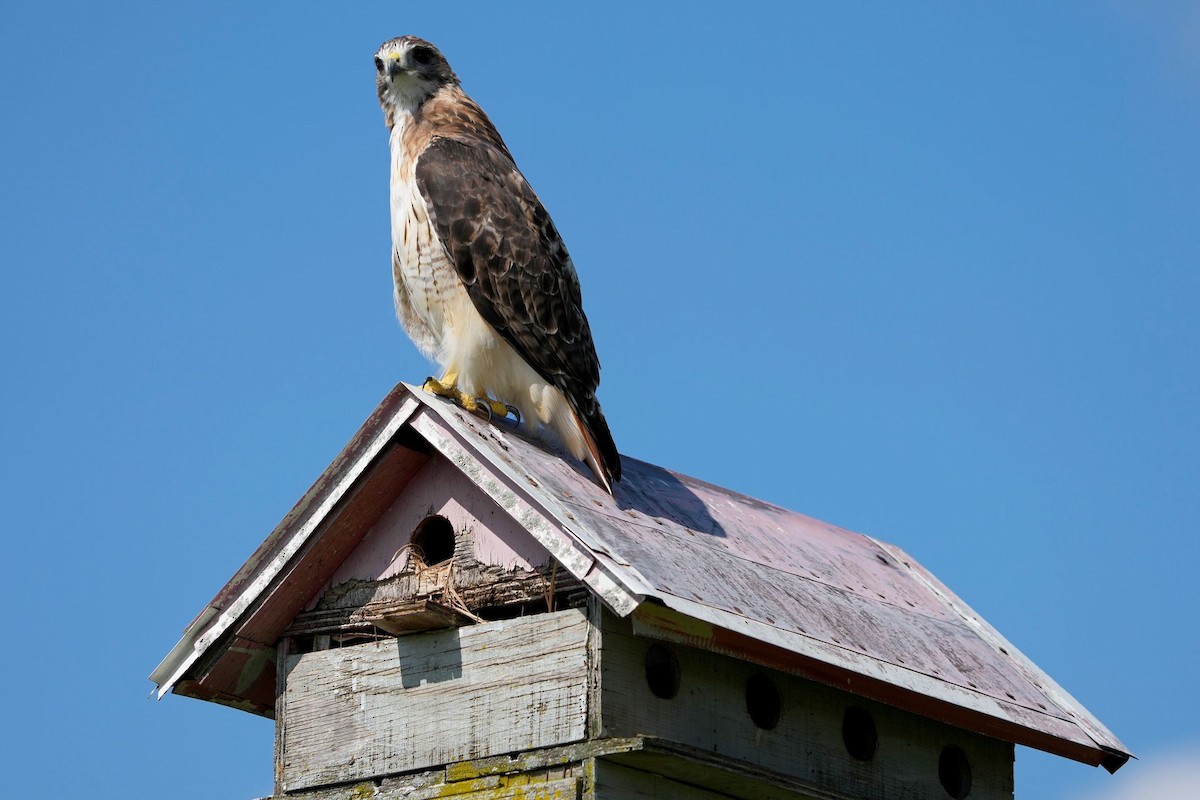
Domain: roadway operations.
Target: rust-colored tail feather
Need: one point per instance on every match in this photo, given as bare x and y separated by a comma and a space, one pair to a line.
602, 455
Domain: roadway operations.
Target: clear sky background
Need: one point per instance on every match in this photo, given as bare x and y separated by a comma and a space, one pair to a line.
920, 270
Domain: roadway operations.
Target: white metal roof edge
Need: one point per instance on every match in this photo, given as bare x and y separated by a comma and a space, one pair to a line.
857, 663
454, 418
541, 514
1084, 719
161, 676
835, 655
200, 635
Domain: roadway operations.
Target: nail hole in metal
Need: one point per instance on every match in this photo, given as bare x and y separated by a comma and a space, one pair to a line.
762, 701
858, 733
434, 535
954, 772
662, 671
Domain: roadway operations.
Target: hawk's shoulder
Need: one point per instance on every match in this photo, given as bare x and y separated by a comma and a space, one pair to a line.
451, 114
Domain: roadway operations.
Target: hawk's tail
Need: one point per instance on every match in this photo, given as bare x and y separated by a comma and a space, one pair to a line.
601, 456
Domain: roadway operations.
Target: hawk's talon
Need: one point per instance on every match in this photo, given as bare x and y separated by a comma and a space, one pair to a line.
484, 406
436, 387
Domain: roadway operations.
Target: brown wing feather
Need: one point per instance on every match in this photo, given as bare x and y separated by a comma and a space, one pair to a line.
516, 269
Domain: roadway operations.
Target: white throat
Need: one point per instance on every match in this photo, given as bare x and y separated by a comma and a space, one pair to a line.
405, 95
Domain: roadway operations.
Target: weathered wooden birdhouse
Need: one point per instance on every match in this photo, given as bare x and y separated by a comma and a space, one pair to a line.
452, 611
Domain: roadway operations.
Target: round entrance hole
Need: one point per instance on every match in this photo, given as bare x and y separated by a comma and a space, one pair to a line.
858, 733
434, 536
762, 701
662, 671
954, 772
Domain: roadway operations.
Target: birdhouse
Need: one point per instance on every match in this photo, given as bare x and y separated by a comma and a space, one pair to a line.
451, 610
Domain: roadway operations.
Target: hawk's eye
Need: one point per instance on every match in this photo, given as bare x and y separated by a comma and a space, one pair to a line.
378, 64
422, 56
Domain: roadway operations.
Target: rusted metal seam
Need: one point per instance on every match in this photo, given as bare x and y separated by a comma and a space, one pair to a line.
194, 643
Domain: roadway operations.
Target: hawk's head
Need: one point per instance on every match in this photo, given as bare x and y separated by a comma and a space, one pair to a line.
407, 71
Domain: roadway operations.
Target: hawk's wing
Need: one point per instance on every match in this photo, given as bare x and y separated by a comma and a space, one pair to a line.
516, 269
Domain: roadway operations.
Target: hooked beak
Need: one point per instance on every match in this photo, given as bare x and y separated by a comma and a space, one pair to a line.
392, 66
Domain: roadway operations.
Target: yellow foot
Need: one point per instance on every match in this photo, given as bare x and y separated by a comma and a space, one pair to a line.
478, 405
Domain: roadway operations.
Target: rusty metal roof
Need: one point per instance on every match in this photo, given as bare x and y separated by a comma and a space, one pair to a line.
691, 562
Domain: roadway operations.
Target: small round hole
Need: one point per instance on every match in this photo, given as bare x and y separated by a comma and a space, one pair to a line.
662, 671
954, 772
434, 535
858, 734
762, 701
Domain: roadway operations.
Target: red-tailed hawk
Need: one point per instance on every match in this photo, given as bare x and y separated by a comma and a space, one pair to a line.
484, 285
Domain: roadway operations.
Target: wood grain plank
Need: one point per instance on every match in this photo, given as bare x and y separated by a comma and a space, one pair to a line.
435, 698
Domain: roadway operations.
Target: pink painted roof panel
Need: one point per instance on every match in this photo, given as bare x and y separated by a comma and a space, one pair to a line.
842, 601
797, 582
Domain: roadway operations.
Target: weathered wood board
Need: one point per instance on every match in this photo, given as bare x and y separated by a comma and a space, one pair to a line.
710, 713
434, 698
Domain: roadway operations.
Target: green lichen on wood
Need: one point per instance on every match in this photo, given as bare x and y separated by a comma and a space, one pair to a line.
538, 759
518, 787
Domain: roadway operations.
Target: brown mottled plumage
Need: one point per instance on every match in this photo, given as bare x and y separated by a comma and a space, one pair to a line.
484, 284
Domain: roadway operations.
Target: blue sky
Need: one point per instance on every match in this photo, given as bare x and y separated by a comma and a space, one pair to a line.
928, 272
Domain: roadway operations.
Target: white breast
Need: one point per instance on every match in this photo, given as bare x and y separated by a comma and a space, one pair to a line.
427, 288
